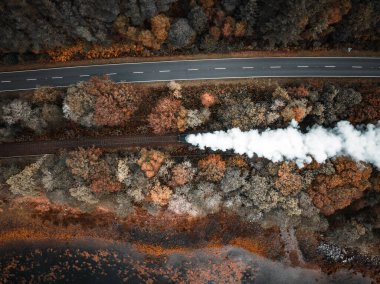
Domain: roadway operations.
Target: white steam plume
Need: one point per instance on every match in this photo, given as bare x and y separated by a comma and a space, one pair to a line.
291, 144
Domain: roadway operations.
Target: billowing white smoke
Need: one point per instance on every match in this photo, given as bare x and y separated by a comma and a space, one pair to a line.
291, 144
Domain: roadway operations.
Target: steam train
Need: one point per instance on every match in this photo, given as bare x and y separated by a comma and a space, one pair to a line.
182, 138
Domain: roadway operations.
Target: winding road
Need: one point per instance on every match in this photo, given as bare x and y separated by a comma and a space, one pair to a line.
202, 69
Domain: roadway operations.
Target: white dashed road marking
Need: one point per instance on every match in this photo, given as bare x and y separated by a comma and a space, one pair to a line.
31, 79
56, 77
192, 69
164, 71
357, 67
84, 75
302, 66
220, 68
330, 66
275, 67
138, 72
6, 81
247, 67
110, 74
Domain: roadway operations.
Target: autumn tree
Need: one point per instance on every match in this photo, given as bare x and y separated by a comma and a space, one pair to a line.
160, 194
147, 39
150, 161
212, 167
21, 112
333, 192
160, 27
296, 110
228, 27
182, 173
87, 164
165, 116
288, 181
208, 99
101, 102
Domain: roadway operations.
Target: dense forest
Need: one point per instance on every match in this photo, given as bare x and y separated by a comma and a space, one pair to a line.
67, 30
100, 107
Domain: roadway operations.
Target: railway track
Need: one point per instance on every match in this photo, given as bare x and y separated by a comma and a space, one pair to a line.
19, 149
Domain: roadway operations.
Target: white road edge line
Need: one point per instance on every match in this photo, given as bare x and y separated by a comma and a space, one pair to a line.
275, 67
357, 66
57, 77
164, 71
330, 66
110, 74
138, 72
247, 67
192, 69
6, 81
220, 68
31, 79
302, 66
84, 75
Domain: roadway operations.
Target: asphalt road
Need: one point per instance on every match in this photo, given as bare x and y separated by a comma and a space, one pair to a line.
195, 70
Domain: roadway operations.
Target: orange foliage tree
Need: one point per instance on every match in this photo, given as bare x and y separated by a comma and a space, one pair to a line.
368, 111
288, 182
228, 27
208, 99
86, 163
105, 184
165, 115
332, 192
160, 194
300, 91
182, 173
150, 161
160, 27
212, 167
115, 103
